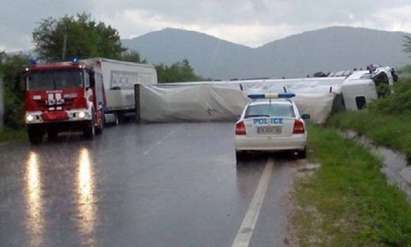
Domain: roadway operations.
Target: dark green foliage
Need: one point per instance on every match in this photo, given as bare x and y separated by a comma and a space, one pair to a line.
85, 38
11, 68
178, 72
404, 71
407, 44
397, 103
132, 56
12, 134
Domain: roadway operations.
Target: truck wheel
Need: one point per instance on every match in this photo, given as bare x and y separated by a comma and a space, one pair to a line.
35, 135
52, 134
89, 131
100, 128
116, 119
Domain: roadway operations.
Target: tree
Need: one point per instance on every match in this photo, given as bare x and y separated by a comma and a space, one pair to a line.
76, 36
407, 44
177, 72
132, 56
11, 68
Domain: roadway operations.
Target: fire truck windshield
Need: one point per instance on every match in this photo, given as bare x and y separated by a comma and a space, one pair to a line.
55, 79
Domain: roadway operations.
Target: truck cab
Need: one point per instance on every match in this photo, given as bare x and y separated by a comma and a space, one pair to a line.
63, 96
365, 86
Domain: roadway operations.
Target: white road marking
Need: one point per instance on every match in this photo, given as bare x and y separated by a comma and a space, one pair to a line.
244, 234
159, 142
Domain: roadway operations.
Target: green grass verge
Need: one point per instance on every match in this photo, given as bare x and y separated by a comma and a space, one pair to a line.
348, 202
7, 134
389, 130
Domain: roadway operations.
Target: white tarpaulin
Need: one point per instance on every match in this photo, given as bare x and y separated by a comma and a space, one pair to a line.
191, 103
207, 102
319, 106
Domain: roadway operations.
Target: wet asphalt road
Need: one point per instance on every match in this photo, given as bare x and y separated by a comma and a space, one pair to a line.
139, 185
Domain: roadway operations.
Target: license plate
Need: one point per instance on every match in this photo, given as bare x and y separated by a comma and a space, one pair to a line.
275, 130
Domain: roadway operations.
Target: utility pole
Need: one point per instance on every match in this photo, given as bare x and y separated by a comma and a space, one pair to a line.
63, 55
1, 104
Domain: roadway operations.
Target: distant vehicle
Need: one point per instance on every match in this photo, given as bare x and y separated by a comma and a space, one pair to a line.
80, 95
272, 123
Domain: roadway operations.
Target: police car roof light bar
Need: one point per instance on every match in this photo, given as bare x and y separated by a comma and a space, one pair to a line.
272, 96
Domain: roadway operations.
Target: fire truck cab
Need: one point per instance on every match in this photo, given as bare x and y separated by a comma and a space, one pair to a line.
63, 96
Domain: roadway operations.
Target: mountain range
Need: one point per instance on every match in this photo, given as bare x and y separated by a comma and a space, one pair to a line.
327, 49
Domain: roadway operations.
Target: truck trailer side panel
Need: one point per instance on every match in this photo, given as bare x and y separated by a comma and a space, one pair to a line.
119, 78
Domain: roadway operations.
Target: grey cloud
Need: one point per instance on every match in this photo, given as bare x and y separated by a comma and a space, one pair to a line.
264, 11
19, 17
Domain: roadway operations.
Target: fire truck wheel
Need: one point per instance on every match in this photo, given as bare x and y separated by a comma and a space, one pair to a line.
100, 128
52, 134
89, 131
35, 135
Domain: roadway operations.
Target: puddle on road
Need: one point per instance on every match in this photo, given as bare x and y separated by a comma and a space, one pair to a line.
395, 165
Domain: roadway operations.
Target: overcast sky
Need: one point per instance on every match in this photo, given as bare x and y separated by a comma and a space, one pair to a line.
248, 22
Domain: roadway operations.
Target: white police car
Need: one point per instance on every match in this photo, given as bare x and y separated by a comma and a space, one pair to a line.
271, 123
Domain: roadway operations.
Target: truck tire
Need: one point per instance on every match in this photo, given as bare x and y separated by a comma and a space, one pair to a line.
116, 119
52, 134
100, 128
35, 135
90, 130
239, 156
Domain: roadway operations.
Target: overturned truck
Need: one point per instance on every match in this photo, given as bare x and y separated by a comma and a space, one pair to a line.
225, 100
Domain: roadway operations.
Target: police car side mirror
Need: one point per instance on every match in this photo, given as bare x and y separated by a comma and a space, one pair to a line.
305, 116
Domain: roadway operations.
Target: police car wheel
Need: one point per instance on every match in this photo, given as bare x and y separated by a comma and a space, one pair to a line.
239, 155
302, 154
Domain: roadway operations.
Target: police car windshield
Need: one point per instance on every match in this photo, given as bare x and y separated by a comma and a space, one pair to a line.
270, 110
57, 79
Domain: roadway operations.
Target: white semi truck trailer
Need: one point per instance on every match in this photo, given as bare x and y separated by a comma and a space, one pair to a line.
119, 78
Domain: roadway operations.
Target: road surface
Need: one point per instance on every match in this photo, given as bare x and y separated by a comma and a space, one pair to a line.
143, 185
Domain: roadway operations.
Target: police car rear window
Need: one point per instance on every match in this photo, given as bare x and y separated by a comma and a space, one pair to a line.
270, 110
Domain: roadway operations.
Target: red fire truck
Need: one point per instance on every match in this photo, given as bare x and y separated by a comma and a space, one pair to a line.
63, 96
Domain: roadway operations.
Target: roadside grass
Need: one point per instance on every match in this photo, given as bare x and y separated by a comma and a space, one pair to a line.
348, 201
389, 130
8, 134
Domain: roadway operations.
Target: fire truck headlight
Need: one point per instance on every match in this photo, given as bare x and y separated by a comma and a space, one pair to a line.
82, 114
29, 118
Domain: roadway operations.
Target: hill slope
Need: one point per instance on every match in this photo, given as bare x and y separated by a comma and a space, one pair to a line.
327, 49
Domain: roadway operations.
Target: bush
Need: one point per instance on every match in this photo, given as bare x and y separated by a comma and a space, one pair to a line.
177, 72
397, 103
11, 67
